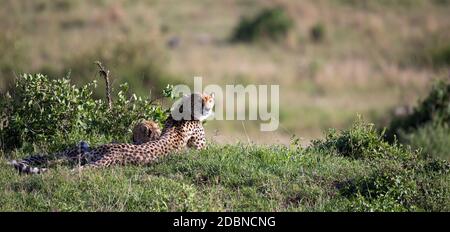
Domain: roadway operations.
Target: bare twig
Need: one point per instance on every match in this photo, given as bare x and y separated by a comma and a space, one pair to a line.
105, 74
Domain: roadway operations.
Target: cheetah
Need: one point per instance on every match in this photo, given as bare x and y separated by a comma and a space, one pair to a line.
176, 135
145, 131
196, 111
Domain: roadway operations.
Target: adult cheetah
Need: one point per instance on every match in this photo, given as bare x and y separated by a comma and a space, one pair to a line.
147, 130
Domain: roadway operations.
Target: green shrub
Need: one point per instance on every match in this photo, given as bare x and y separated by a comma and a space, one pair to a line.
388, 188
361, 141
433, 139
398, 185
435, 108
271, 24
57, 113
317, 32
427, 127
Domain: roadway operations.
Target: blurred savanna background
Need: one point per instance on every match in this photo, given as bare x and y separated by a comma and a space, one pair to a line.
332, 59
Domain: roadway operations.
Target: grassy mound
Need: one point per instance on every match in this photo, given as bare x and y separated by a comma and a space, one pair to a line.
321, 177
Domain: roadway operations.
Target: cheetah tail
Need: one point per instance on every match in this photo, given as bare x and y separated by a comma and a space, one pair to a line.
25, 168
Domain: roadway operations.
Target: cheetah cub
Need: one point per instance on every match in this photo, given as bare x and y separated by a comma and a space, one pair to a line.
145, 131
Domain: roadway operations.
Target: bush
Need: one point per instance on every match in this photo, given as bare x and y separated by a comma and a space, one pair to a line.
272, 24
57, 113
395, 178
317, 32
361, 141
391, 186
435, 108
433, 139
427, 127
400, 186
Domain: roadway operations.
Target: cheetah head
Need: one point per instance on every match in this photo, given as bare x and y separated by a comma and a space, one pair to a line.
197, 106
207, 105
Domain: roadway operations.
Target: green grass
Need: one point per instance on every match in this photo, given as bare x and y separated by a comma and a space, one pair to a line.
243, 177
